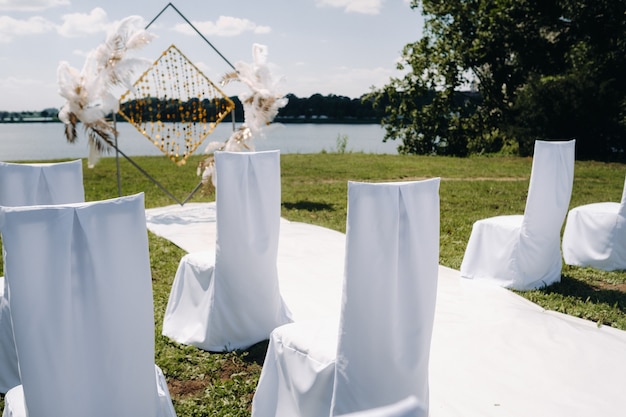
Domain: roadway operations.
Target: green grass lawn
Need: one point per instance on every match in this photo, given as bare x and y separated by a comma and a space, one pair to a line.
314, 190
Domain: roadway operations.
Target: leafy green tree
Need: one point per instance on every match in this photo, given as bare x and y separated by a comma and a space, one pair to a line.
540, 69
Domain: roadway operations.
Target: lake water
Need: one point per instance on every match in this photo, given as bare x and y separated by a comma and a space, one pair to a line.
43, 141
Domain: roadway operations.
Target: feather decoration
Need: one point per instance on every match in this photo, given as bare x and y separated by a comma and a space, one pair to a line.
228, 77
260, 106
87, 93
206, 168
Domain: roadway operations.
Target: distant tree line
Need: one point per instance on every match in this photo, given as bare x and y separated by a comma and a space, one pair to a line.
46, 115
331, 108
314, 109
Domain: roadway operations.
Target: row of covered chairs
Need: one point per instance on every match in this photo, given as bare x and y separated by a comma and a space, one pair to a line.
229, 299
77, 318
79, 306
392, 238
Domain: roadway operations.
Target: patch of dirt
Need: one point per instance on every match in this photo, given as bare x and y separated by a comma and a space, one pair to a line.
182, 389
228, 368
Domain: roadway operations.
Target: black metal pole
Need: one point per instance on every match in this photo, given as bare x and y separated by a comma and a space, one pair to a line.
194, 28
117, 158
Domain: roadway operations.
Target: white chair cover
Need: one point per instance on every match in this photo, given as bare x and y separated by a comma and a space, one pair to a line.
24, 184
231, 299
378, 352
47, 183
524, 251
81, 303
409, 407
595, 235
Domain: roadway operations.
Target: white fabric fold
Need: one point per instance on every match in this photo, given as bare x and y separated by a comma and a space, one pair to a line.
15, 405
377, 351
80, 293
23, 184
408, 407
595, 235
230, 299
524, 251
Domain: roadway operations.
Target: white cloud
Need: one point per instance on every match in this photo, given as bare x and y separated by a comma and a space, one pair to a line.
31, 5
79, 24
20, 91
224, 26
365, 77
17, 83
73, 25
354, 6
262, 30
343, 81
11, 28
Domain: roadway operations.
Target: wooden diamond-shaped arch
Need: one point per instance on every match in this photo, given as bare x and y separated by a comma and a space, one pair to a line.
175, 105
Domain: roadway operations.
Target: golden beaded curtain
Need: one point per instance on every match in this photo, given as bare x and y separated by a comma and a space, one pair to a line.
175, 105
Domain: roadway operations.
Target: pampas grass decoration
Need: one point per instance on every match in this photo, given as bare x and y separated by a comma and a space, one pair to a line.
87, 93
260, 106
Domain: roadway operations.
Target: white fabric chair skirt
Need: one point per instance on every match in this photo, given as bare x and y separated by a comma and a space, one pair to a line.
9, 372
80, 293
595, 235
523, 252
377, 352
23, 184
15, 404
497, 254
409, 407
231, 299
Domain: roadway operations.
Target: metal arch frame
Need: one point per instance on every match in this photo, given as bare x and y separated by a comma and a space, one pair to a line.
118, 152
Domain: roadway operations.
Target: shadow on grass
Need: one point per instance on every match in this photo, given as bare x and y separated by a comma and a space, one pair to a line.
256, 353
584, 291
308, 206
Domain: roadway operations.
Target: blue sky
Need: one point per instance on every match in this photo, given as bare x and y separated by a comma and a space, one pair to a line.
338, 47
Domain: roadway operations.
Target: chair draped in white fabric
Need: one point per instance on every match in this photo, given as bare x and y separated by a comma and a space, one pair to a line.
595, 235
377, 352
81, 303
523, 252
24, 184
231, 299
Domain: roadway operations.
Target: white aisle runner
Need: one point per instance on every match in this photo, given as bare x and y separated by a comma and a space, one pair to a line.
493, 352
